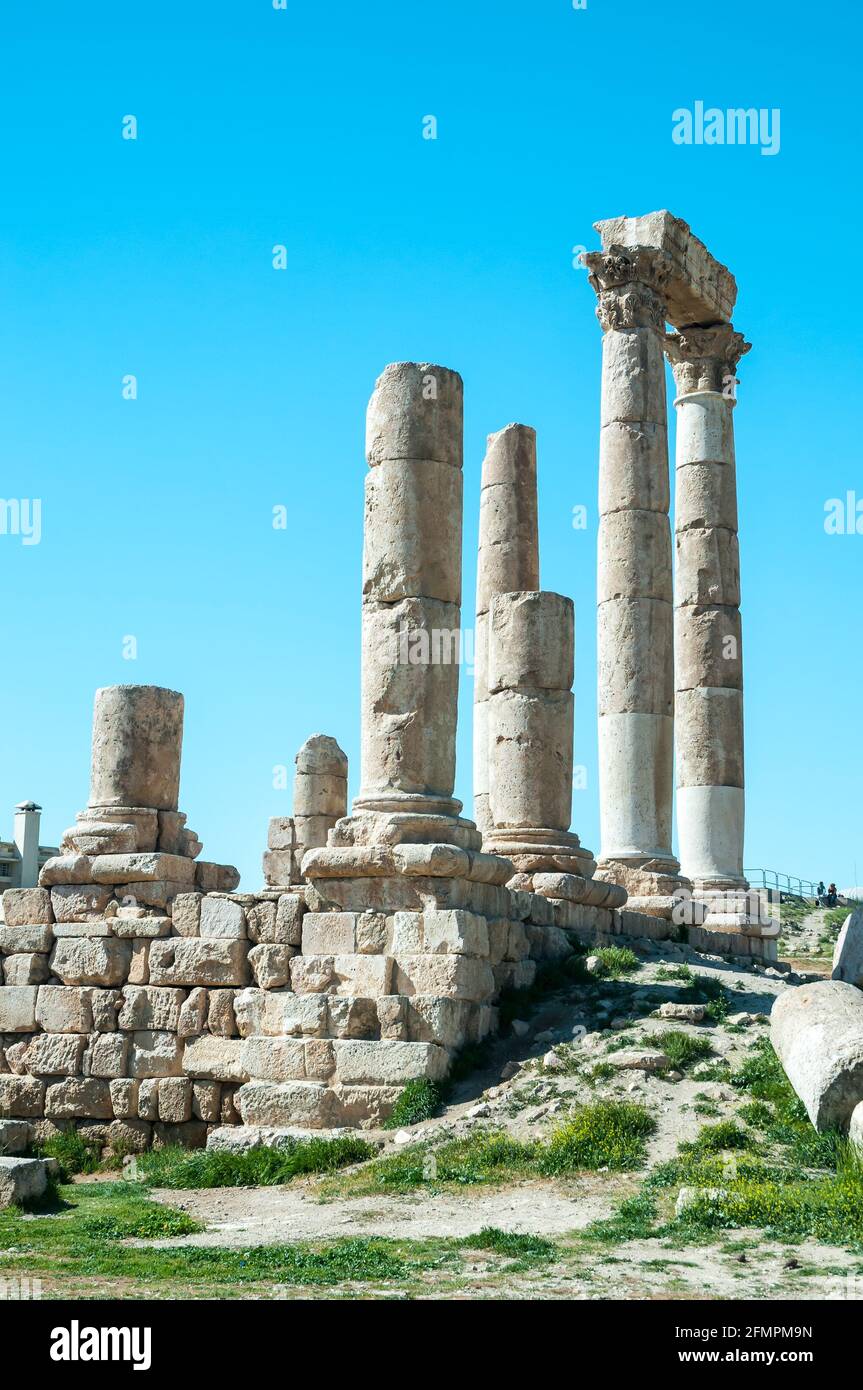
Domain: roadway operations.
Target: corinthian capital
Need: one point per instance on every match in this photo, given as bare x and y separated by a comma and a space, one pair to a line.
630, 286
705, 359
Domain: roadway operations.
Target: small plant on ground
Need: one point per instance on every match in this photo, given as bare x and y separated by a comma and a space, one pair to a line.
74, 1154
420, 1100
606, 1134
683, 1050
257, 1167
616, 961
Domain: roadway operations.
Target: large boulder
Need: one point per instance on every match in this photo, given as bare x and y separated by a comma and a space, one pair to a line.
817, 1031
848, 955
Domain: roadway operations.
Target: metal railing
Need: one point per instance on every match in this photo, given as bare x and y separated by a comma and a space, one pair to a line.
783, 883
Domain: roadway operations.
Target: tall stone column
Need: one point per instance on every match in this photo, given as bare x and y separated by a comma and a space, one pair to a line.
634, 618
320, 791
411, 592
708, 644
507, 562
137, 743
531, 663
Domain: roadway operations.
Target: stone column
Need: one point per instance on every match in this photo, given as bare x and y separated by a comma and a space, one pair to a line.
411, 592
709, 659
137, 742
531, 658
634, 618
320, 791
507, 562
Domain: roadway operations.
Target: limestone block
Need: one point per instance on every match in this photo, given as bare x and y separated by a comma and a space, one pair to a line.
206, 1101
91, 960
79, 1097
280, 833
186, 914
518, 945
192, 1135
29, 968
705, 430
228, 1112
710, 737
329, 933
65, 868
313, 831
705, 496
508, 559
216, 878
28, 939
274, 1059
99, 837
63, 1010
458, 977
388, 1063
410, 679
407, 552
817, 1031
392, 1012
221, 1019
21, 1097
302, 1103
848, 952
365, 1106
151, 1006
635, 793
707, 566
139, 965
458, 933
193, 1014
78, 902
270, 965
159, 893
261, 922
280, 867
26, 907
126, 1135
531, 642
351, 1017
365, 977
530, 746
289, 919
155, 1054
175, 1100
55, 1054
171, 827
633, 467
124, 1098
372, 934
699, 288
634, 637
633, 377
97, 927
106, 1055
144, 819
22, 1180
634, 556
708, 647
18, 1008
222, 918
137, 740
142, 868
312, 974
140, 928
280, 1012
514, 975
182, 961
416, 412
148, 1099
215, 1059
15, 1137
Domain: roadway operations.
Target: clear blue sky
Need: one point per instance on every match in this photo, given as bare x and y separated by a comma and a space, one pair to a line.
304, 127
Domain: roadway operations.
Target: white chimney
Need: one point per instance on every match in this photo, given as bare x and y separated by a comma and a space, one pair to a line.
27, 818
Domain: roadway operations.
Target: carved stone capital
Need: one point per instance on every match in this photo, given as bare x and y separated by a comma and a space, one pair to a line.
705, 359
630, 286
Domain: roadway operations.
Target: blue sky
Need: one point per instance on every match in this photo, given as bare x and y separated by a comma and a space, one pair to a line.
304, 127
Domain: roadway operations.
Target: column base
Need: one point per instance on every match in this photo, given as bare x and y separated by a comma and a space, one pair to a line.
654, 887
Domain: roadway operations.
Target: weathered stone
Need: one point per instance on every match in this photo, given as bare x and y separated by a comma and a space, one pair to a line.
25, 939
148, 1099
817, 1031
106, 1055
18, 1008
29, 968
270, 965
222, 918
15, 1137
137, 741
848, 952
182, 961
100, 837
91, 961
221, 1019
388, 1063
78, 1097
261, 922
151, 1006
141, 928
329, 933
280, 1012
193, 1014
352, 1018
175, 1100
26, 907
633, 1060
155, 1054
21, 1097
206, 1101
216, 878
65, 868
215, 1059
289, 919
186, 914
286, 1103
126, 1135
55, 1054
142, 868
63, 1010
105, 1005
457, 977
273, 1059
124, 1098
22, 1180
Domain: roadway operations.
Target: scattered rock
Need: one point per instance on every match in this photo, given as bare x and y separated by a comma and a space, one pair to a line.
640, 1061
593, 965
552, 1061
686, 1013
688, 1196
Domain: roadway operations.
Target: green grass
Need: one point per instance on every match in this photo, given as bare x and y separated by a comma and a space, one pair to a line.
258, 1167
526, 1249
683, 1050
834, 918
603, 1134
617, 961
74, 1154
718, 1138
419, 1100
